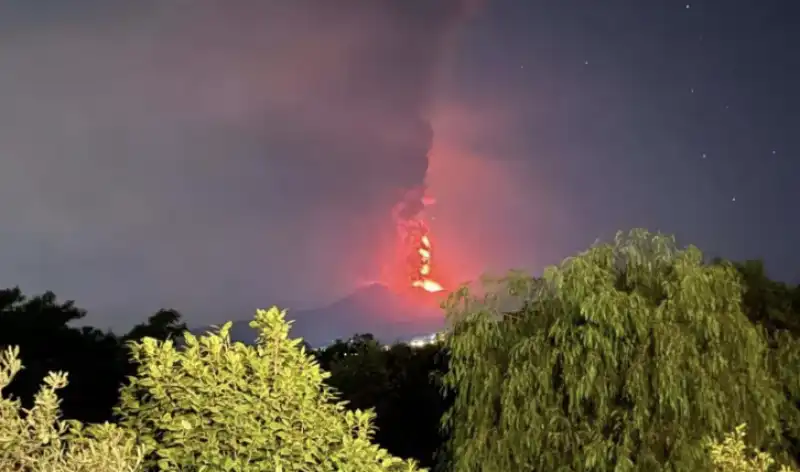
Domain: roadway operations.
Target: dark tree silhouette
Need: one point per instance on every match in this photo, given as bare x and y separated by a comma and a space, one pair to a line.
96, 362
93, 359
401, 383
163, 325
769, 303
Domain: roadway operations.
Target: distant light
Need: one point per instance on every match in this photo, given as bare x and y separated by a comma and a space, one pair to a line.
422, 341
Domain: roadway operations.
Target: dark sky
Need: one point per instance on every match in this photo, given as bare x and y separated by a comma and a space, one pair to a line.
221, 156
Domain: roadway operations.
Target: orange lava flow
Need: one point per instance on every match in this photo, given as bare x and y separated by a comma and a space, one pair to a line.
415, 240
420, 261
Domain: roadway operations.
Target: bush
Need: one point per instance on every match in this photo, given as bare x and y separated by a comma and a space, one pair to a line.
732, 455
37, 440
217, 405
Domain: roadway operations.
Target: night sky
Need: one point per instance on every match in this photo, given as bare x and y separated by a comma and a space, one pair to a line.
221, 156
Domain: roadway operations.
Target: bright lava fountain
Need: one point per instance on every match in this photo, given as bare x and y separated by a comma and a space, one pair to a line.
416, 235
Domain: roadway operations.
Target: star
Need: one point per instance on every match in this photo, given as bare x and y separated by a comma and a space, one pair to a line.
733, 199
691, 90
586, 63
703, 155
774, 152
688, 6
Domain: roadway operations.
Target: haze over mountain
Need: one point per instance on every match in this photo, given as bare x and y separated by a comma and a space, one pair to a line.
374, 309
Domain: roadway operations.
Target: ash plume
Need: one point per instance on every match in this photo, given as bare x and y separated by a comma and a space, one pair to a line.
144, 141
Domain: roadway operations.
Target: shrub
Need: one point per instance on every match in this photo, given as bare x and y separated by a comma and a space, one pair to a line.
217, 405
37, 440
732, 455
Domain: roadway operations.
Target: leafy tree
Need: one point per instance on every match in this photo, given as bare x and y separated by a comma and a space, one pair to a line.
41, 312
36, 439
217, 405
775, 307
408, 425
164, 324
622, 358
359, 371
769, 303
362, 343
95, 360
400, 383
733, 455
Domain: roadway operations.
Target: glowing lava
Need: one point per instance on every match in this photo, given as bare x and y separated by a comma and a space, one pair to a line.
420, 258
415, 240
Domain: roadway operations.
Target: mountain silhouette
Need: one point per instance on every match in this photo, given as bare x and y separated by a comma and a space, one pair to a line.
374, 309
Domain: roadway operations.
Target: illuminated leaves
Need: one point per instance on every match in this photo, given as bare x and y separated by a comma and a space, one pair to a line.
38, 440
217, 405
624, 357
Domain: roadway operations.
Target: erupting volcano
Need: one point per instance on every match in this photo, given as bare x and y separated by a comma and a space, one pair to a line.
416, 241
420, 259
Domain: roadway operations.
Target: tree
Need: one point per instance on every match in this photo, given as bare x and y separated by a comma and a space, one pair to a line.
775, 307
408, 425
36, 439
95, 360
622, 358
769, 303
227, 406
732, 455
164, 324
400, 383
358, 371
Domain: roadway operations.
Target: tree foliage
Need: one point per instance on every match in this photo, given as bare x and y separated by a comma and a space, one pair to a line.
732, 455
226, 406
35, 439
164, 324
775, 307
401, 383
39, 326
622, 358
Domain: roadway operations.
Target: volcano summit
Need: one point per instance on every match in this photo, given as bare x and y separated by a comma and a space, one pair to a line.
374, 309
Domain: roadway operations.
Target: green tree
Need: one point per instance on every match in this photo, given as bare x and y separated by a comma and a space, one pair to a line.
37, 440
216, 405
400, 383
95, 360
733, 455
775, 306
359, 372
769, 303
164, 324
622, 358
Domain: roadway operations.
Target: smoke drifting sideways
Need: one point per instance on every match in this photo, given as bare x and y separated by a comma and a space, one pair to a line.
157, 153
